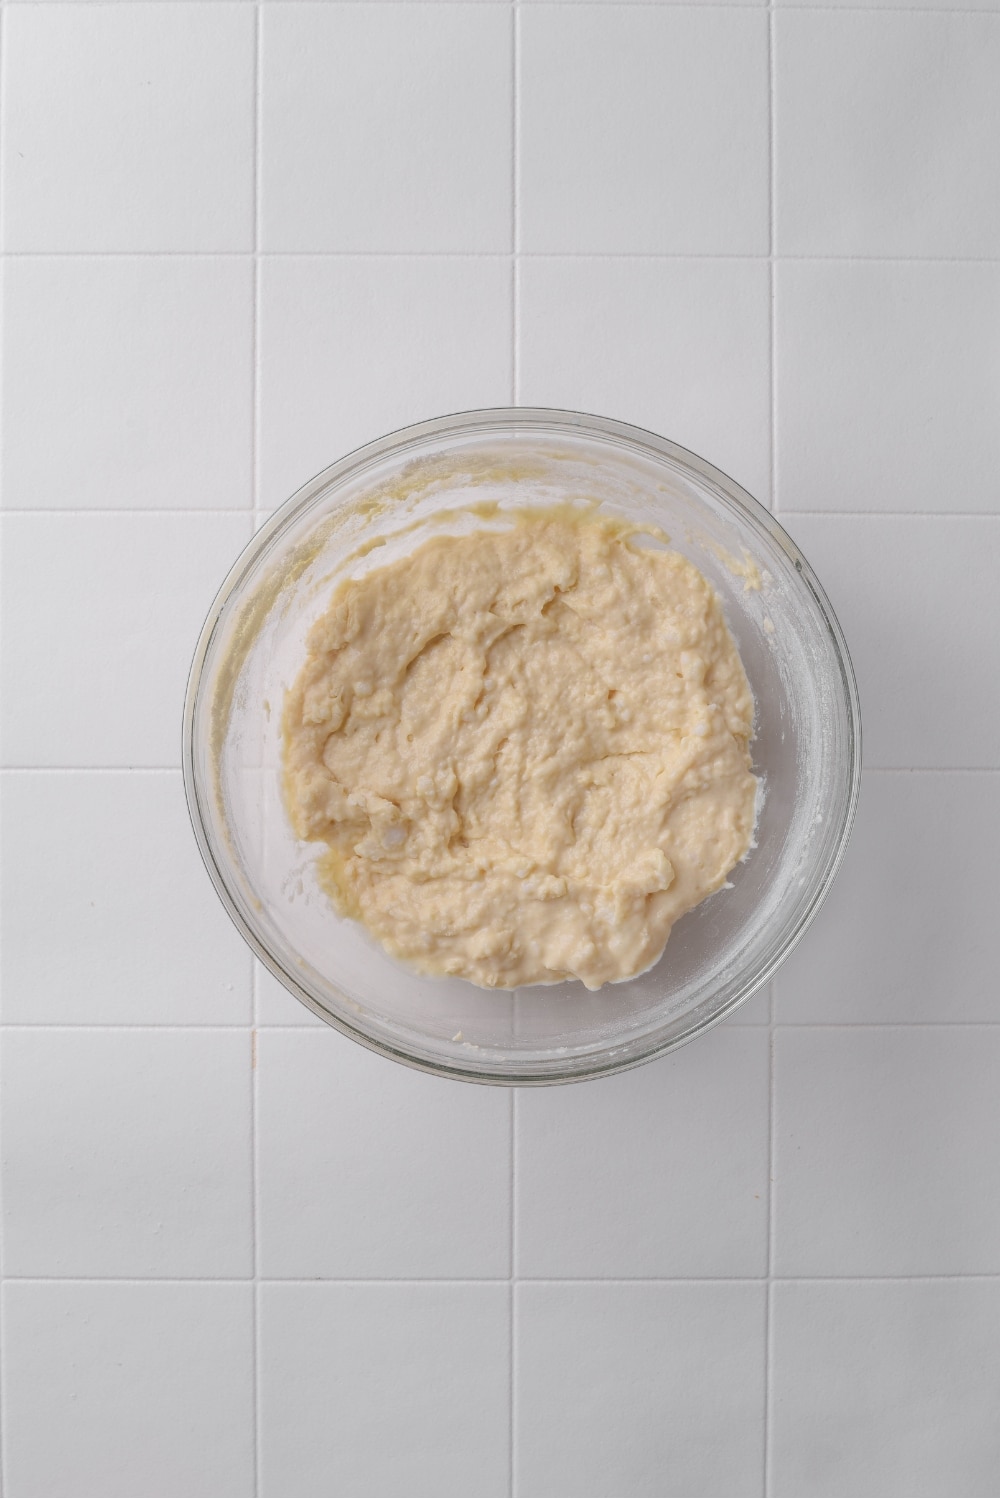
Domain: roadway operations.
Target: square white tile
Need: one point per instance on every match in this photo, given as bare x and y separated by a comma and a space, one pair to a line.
885, 126
885, 1389
127, 383
352, 348
128, 1390
385, 1390
643, 129
659, 1172
887, 1151
916, 597
680, 346
905, 935
639, 1390
276, 1006
885, 399
100, 617
128, 127
126, 1153
369, 1169
386, 127
108, 863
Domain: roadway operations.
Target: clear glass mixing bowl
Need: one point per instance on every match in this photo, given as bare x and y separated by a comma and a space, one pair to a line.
807, 749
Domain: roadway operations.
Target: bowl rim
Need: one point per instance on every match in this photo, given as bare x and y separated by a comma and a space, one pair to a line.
488, 420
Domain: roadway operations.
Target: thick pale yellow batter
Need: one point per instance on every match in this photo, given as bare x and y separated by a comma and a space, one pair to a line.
525, 750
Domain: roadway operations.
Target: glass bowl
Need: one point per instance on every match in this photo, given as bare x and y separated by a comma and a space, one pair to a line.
371, 507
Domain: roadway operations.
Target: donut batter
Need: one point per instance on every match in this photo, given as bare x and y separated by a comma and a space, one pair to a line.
526, 751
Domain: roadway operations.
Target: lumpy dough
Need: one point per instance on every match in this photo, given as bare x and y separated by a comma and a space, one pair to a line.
525, 750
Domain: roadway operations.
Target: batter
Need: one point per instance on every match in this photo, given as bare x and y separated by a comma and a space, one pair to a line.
525, 750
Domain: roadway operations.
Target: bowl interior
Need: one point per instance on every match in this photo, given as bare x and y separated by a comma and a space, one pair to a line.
457, 474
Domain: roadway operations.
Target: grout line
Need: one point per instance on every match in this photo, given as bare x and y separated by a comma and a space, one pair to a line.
238, 511
807, 8
3, 1341
255, 1326
515, 352
757, 1280
897, 515
726, 255
512, 1347
886, 1025
635, 4
769, 1296
255, 428
931, 770
929, 10
255, 368
128, 1280
515, 297
3, 1358
889, 260
131, 512
773, 394
95, 770
699, 256
248, 254
769, 1389
234, 1027
515, 189
3, 240
772, 239
917, 1278
241, 1027
174, 770
744, 1280
122, 510
261, 1281
254, 1241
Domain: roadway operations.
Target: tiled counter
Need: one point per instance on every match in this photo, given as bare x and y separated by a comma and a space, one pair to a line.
241, 1255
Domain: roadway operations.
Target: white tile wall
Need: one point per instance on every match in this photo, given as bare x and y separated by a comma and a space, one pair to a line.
887, 386
927, 954
362, 1175
240, 237
128, 1388
108, 857
99, 616
355, 345
128, 382
643, 129
661, 1173
386, 127
385, 1389
680, 344
917, 599
128, 127
885, 1388
639, 1389
882, 121
126, 1152
887, 1151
